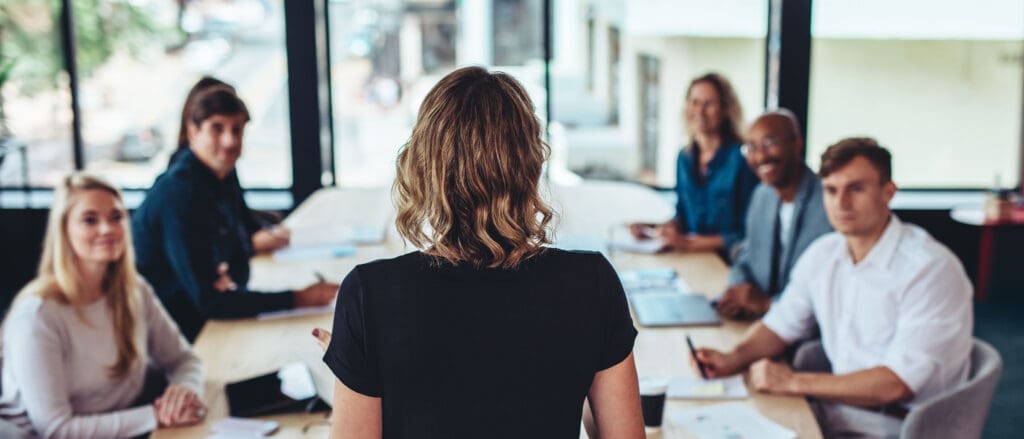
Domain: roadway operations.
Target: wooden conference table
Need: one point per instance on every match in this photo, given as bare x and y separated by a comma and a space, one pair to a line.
239, 349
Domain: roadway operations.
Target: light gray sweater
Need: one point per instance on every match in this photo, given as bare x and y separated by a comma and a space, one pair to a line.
55, 372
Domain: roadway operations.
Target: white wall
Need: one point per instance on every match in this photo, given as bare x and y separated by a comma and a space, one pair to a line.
950, 111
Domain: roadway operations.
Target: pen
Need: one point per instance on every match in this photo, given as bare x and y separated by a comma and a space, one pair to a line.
693, 352
319, 276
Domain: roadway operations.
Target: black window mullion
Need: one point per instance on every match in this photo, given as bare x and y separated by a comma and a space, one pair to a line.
788, 60
67, 32
306, 62
328, 150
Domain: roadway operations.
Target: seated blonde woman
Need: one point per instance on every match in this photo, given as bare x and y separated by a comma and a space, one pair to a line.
486, 332
80, 336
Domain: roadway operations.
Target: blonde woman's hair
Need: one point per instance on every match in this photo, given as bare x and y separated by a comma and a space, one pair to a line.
731, 129
58, 277
466, 188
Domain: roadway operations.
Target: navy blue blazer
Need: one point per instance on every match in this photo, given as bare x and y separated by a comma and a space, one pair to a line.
754, 260
190, 222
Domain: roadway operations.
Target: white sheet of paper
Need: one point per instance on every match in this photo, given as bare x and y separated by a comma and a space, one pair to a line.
734, 420
337, 234
243, 428
313, 251
632, 245
296, 312
715, 388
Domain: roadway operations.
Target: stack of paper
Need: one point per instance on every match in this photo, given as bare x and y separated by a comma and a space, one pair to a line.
715, 388
296, 312
654, 279
735, 420
633, 245
313, 251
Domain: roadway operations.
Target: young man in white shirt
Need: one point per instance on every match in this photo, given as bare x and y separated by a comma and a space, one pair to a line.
893, 305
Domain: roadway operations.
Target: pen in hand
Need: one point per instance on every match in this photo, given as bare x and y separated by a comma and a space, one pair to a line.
319, 277
693, 352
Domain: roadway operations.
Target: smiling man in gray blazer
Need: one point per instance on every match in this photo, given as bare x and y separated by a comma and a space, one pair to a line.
785, 215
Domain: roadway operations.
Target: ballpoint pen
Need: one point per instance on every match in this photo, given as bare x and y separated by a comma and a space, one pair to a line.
693, 352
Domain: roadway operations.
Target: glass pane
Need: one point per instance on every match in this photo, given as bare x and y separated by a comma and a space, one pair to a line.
620, 72
387, 54
137, 60
934, 79
35, 100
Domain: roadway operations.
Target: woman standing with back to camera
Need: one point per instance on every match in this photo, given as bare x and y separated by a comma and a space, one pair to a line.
485, 332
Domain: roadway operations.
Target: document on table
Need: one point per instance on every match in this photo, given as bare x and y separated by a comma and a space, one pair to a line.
313, 251
337, 233
715, 388
296, 312
734, 420
633, 245
653, 279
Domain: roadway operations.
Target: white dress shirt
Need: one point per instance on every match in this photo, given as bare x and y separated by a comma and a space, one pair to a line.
786, 211
906, 306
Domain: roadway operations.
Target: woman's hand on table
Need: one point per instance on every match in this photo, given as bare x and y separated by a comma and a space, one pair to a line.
179, 406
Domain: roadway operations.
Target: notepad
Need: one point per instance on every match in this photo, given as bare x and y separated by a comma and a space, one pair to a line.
313, 251
734, 420
715, 388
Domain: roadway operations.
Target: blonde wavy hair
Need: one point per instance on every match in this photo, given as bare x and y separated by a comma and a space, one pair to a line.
466, 187
58, 277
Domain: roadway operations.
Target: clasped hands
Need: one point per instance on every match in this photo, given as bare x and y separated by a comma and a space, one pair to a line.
179, 406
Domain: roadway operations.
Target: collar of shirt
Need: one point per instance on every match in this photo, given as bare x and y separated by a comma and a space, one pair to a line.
720, 158
881, 254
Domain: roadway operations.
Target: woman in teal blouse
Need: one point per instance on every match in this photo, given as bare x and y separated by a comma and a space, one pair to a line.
713, 181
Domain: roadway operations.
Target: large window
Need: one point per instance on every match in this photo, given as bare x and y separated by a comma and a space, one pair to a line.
35, 109
620, 72
386, 55
939, 82
137, 61
936, 81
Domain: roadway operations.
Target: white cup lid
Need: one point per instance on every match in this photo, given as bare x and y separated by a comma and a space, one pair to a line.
653, 386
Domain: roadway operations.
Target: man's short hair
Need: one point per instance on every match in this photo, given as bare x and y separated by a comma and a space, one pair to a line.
844, 151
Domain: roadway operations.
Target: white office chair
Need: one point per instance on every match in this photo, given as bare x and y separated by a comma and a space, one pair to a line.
957, 413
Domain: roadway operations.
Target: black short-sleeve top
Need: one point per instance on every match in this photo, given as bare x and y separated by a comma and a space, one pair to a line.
455, 351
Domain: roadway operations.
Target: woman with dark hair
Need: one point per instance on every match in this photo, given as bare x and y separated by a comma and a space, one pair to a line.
194, 233
268, 236
204, 83
485, 332
713, 181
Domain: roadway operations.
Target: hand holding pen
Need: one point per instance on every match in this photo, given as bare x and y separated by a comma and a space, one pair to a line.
712, 363
695, 359
318, 294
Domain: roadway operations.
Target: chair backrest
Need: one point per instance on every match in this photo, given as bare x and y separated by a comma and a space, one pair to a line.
960, 412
